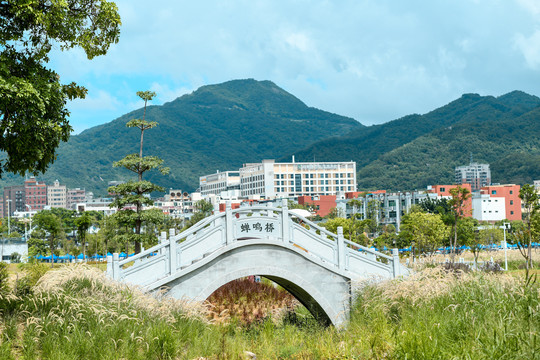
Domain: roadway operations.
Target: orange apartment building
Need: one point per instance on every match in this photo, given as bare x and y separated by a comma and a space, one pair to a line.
444, 191
510, 193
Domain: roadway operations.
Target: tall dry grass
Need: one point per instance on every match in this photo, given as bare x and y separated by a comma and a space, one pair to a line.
250, 302
78, 313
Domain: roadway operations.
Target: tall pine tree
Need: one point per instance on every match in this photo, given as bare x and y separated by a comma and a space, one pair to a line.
136, 192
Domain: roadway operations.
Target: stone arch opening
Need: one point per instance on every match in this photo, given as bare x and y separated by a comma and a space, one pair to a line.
305, 293
326, 294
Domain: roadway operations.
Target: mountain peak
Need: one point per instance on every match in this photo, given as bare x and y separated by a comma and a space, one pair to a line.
263, 96
520, 99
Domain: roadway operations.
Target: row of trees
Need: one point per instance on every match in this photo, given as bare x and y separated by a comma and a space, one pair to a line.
436, 223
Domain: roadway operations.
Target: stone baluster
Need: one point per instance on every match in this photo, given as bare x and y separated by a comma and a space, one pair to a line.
341, 248
173, 257
162, 240
116, 266
285, 221
229, 237
395, 262
110, 265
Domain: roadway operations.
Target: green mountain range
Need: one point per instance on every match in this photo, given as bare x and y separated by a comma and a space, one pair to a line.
220, 127
420, 150
215, 127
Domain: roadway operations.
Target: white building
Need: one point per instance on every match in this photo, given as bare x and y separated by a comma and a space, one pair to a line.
57, 195
100, 204
75, 197
11, 246
269, 180
478, 175
488, 208
178, 204
219, 182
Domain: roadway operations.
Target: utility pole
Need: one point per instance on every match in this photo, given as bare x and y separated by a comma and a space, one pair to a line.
9, 216
505, 245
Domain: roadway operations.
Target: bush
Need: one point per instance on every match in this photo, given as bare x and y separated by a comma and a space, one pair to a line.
456, 267
4, 277
492, 267
32, 273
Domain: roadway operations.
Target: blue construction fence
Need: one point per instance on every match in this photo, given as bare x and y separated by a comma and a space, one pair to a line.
96, 257
491, 247
72, 258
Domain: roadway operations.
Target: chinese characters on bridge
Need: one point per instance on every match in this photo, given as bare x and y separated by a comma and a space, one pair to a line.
258, 226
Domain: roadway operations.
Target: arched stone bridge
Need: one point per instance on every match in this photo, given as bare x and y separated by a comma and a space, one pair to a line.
314, 265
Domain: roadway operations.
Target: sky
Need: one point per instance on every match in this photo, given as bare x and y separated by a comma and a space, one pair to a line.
372, 60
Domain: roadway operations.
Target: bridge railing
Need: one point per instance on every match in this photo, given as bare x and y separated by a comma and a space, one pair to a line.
256, 222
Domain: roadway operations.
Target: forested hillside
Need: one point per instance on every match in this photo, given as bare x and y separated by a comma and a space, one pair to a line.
220, 127
419, 150
216, 127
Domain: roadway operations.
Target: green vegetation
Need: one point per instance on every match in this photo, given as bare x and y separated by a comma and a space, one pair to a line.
33, 113
420, 150
76, 312
255, 120
216, 127
423, 231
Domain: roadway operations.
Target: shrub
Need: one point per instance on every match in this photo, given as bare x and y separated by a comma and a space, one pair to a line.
492, 267
456, 267
32, 273
4, 278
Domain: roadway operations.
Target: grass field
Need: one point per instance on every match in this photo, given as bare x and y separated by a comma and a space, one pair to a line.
76, 312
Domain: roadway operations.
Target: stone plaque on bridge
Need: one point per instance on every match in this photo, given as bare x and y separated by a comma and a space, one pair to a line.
259, 227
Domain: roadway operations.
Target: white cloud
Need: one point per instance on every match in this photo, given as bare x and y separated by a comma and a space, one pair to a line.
532, 6
298, 41
530, 48
99, 99
165, 94
374, 60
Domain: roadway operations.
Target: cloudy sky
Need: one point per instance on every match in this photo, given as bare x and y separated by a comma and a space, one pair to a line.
372, 60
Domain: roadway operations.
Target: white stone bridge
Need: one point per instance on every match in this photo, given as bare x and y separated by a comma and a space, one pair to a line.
315, 266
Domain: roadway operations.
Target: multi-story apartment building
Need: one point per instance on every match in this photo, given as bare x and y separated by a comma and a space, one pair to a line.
178, 204
57, 195
387, 208
74, 197
35, 194
270, 180
475, 174
13, 200
220, 181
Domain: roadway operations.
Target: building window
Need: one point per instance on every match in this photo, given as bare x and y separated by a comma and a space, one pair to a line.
511, 213
493, 192
511, 202
443, 189
511, 192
